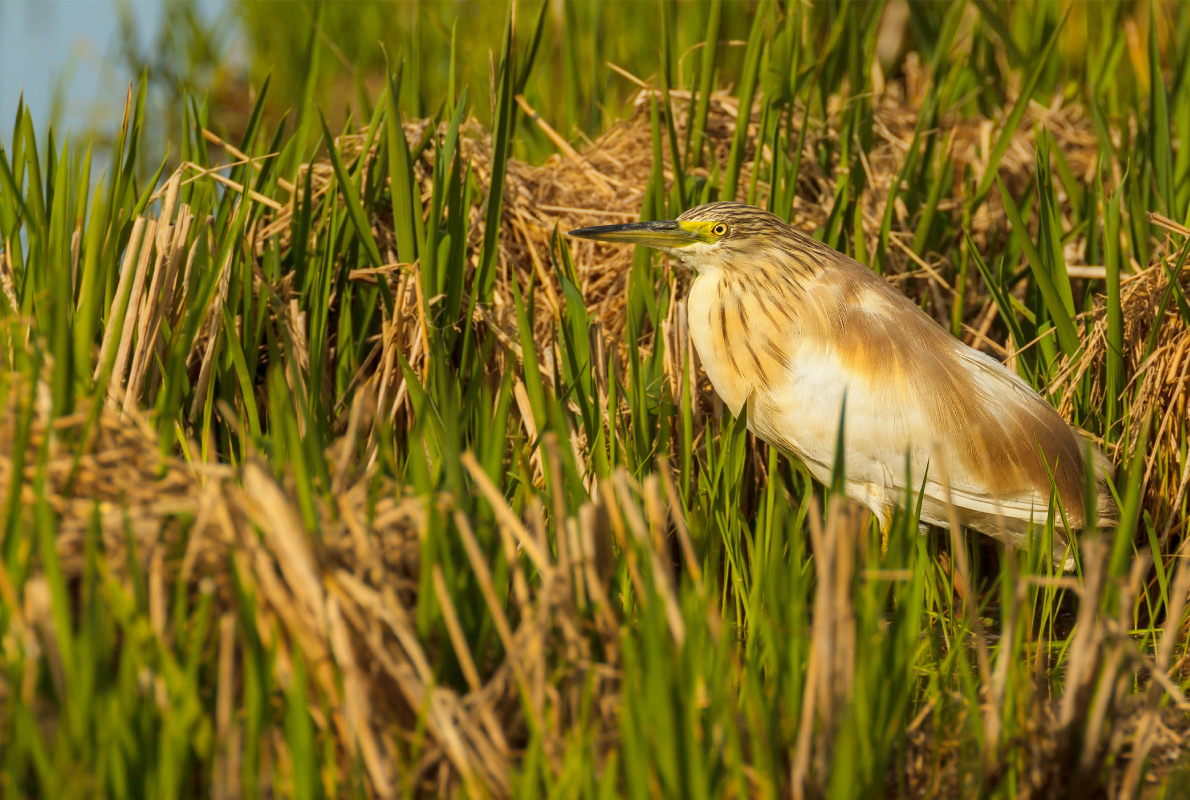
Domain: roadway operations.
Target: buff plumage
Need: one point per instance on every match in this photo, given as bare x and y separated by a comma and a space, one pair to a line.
799, 337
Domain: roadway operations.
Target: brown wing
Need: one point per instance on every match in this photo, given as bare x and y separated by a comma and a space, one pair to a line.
1000, 436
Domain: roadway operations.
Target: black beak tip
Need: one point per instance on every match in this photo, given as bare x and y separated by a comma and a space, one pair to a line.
586, 233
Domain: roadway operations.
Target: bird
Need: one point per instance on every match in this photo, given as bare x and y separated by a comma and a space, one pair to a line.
804, 339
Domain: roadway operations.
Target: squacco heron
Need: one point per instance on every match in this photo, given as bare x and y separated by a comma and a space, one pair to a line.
802, 339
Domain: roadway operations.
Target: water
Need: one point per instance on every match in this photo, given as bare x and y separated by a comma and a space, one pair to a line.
63, 54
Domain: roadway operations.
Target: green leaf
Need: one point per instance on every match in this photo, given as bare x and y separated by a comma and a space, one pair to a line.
355, 211
1054, 302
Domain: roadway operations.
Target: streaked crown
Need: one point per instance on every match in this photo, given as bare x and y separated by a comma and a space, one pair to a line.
742, 238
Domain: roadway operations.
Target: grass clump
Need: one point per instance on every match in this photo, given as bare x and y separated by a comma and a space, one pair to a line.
329, 469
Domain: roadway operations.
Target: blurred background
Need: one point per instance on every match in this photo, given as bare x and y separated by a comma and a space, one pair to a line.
72, 61
75, 59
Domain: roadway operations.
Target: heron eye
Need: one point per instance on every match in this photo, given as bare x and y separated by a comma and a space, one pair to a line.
720, 229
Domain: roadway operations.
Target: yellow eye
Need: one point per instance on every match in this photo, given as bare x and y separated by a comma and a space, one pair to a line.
720, 229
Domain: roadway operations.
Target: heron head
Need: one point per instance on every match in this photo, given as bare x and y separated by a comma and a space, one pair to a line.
710, 236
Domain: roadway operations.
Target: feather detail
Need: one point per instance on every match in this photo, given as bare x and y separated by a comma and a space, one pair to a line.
795, 327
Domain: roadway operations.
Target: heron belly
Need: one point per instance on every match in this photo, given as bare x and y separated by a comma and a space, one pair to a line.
802, 415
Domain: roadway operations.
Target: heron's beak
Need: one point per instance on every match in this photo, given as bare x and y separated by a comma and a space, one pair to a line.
663, 235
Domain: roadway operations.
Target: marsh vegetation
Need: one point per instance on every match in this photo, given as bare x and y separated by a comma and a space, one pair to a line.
329, 467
